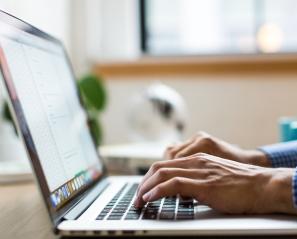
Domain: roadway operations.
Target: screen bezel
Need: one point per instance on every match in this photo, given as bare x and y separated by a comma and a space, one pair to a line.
22, 126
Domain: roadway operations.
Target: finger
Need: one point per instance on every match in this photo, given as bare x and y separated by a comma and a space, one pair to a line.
180, 163
167, 152
184, 198
151, 171
183, 186
172, 150
154, 168
199, 145
166, 174
191, 149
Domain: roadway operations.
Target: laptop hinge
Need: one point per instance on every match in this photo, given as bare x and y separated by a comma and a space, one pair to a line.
84, 204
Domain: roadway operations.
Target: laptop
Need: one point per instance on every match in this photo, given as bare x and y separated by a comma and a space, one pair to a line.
81, 199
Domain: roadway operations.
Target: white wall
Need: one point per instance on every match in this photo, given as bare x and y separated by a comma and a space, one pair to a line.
52, 16
104, 30
243, 109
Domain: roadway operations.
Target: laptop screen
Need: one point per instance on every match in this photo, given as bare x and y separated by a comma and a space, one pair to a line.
41, 86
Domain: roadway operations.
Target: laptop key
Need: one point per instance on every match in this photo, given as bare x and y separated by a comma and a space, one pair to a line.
116, 215
149, 216
134, 211
103, 213
151, 211
119, 210
185, 217
134, 217
114, 218
185, 214
185, 209
168, 206
168, 210
100, 217
167, 215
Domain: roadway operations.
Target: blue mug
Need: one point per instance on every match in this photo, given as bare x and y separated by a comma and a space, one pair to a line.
288, 129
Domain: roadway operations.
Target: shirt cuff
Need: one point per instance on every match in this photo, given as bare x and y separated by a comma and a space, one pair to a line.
282, 154
294, 188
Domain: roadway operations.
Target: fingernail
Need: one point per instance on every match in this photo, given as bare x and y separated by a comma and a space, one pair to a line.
146, 197
135, 203
137, 200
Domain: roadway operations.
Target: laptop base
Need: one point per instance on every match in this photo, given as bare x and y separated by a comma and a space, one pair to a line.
206, 222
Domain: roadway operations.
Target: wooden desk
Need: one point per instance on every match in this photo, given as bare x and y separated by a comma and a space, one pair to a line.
22, 213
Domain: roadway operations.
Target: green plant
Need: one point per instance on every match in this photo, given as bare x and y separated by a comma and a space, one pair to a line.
6, 112
6, 115
94, 97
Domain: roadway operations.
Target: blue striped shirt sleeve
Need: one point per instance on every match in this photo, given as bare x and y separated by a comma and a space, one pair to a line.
284, 155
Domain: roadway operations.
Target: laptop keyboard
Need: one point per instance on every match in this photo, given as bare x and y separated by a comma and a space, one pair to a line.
169, 208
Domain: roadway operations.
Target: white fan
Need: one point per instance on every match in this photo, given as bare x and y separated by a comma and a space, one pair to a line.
157, 114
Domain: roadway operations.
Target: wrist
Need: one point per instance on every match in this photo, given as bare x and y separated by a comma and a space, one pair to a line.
257, 157
278, 191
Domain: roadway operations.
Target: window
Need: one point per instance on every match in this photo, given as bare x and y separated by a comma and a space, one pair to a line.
199, 27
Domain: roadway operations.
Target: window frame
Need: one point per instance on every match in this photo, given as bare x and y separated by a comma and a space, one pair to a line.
143, 28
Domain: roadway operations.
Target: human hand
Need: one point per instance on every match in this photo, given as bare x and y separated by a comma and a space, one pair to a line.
224, 185
205, 143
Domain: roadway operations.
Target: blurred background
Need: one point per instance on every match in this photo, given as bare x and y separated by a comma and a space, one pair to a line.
233, 62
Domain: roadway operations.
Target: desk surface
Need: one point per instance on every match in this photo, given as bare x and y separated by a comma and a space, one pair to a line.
22, 214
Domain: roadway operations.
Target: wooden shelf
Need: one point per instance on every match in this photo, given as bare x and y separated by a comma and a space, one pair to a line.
247, 64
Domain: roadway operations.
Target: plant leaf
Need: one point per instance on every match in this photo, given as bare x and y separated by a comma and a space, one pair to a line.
93, 91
